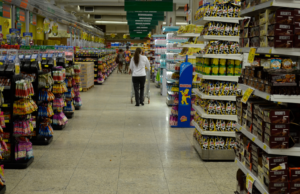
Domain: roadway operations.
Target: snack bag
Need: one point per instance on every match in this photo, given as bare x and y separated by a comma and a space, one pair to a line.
216, 143
287, 64
207, 9
223, 125
222, 29
234, 128
225, 90
226, 143
223, 107
221, 143
236, 30
232, 48
230, 13
218, 125
236, 11
218, 108
205, 142
275, 63
226, 48
214, 10
229, 126
231, 144
228, 108
221, 48
212, 125
205, 125
232, 89
220, 10
228, 29
233, 108
225, 10
211, 143
217, 88
211, 27
211, 91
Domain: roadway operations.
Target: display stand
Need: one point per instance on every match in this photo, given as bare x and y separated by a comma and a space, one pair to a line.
185, 95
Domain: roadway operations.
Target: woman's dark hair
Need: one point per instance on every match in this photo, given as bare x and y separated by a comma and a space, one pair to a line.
137, 56
121, 50
127, 47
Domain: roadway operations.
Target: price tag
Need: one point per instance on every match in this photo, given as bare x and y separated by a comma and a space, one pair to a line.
40, 66
46, 65
271, 4
4, 105
253, 139
249, 182
6, 121
268, 97
251, 55
240, 128
265, 147
247, 95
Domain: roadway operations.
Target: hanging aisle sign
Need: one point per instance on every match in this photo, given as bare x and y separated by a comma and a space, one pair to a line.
24, 4
6, 11
149, 5
142, 16
32, 19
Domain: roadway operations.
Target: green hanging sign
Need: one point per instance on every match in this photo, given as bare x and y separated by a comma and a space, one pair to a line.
139, 31
148, 5
142, 22
141, 28
1, 9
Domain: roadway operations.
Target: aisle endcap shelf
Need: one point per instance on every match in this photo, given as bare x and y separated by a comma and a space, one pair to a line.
221, 56
274, 51
213, 37
254, 10
202, 114
213, 133
295, 151
204, 20
257, 183
219, 78
186, 35
213, 154
204, 96
270, 97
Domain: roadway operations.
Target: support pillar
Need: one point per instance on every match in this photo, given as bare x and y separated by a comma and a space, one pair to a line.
171, 17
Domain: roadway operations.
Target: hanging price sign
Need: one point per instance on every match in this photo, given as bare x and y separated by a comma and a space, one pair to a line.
249, 183
251, 55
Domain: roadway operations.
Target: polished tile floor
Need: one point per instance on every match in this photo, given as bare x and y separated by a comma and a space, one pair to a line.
111, 146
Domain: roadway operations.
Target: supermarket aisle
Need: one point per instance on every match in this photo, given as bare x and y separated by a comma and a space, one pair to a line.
111, 146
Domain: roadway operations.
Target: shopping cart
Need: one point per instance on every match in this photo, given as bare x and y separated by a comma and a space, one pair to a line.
147, 88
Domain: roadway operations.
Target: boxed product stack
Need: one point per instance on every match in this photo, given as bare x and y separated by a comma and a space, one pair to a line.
87, 74
272, 28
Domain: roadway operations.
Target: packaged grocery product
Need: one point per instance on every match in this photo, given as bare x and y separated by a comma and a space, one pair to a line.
207, 70
223, 107
205, 142
233, 108
256, 62
287, 64
211, 89
214, 9
226, 48
211, 143
275, 63
205, 125
222, 29
220, 10
230, 13
217, 88
266, 63
230, 70
221, 143
228, 108
215, 69
218, 108
237, 67
236, 11
228, 126
228, 29
225, 10
212, 125
211, 108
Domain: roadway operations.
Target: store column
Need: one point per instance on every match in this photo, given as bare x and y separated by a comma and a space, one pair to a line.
171, 17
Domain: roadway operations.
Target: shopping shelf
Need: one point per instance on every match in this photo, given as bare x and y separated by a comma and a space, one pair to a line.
204, 20
213, 37
202, 114
221, 56
190, 46
270, 97
273, 51
294, 151
257, 183
204, 96
213, 133
219, 77
187, 35
254, 10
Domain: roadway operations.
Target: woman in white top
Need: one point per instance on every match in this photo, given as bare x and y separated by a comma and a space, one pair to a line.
137, 68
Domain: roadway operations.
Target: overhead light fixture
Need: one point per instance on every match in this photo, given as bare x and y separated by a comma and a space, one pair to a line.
110, 22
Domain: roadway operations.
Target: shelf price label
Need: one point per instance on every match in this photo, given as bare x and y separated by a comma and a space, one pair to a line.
251, 55
253, 139
247, 95
249, 182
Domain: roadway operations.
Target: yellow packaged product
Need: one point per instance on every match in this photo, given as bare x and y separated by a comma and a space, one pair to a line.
211, 143
222, 70
207, 70
212, 125
215, 69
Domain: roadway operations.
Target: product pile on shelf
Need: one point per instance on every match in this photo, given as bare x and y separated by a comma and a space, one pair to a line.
223, 67
272, 28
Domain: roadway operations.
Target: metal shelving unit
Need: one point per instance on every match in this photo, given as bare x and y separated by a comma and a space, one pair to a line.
202, 114
219, 77
214, 133
204, 96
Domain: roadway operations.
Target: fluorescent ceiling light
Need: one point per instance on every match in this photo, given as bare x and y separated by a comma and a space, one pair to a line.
109, 22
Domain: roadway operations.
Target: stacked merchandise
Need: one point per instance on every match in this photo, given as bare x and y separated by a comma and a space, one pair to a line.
160, 44
18, 111
87, 75
70, 94
76, 84
59, 88
218, 66
267, 150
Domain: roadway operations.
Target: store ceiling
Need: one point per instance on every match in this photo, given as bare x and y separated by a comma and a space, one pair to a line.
109, 12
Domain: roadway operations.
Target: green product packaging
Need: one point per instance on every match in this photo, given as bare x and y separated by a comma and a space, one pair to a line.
215, 69
222, 70
230, 70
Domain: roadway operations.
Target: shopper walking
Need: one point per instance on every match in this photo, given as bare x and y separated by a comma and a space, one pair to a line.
127, 55
120, 60
137, 67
